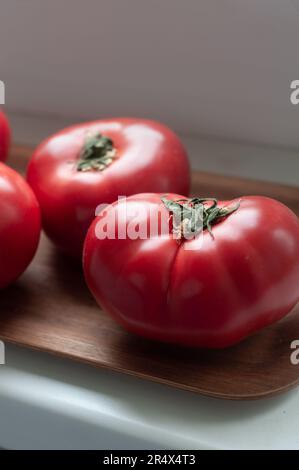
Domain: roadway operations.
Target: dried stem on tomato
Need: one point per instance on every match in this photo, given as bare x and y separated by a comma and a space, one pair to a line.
97, 153
191, 216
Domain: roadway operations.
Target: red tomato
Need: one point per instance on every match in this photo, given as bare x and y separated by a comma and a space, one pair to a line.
19, 225
89, 164
4, 136
209, 291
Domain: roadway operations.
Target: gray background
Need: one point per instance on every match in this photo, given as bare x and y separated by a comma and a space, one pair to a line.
214, 70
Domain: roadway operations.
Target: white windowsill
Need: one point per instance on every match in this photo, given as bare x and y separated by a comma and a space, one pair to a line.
50, 403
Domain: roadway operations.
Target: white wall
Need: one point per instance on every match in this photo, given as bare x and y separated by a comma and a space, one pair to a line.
206, 154
206, 67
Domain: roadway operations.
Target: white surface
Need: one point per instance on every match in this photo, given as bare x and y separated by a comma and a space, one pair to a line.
209, 67
48, 403
219, 156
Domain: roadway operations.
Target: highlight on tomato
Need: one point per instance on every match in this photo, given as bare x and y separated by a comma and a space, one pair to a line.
217, 272
4, 136
88, 164
20, 225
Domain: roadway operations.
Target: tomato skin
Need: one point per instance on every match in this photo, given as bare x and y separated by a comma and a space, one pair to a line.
150, 158
20, 225
4, 137
244, 279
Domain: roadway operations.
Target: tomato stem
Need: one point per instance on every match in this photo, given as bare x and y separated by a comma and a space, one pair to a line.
191, 216
97, 153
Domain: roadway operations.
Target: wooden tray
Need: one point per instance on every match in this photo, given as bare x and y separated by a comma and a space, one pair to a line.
50, 309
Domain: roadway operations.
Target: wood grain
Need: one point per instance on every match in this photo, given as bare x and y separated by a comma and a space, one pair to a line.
50, 309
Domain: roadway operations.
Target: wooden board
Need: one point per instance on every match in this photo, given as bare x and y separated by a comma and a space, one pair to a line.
50, 309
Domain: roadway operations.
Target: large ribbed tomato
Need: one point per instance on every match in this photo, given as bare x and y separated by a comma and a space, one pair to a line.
19, 225
4, 136
89, 164
237, 275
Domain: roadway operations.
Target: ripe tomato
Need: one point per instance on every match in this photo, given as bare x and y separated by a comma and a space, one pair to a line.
19, 225
89, 164
4, 137
235, 276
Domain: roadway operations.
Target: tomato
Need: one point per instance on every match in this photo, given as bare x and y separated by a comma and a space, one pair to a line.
205, 286
89, 164
4, 136
20, 225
